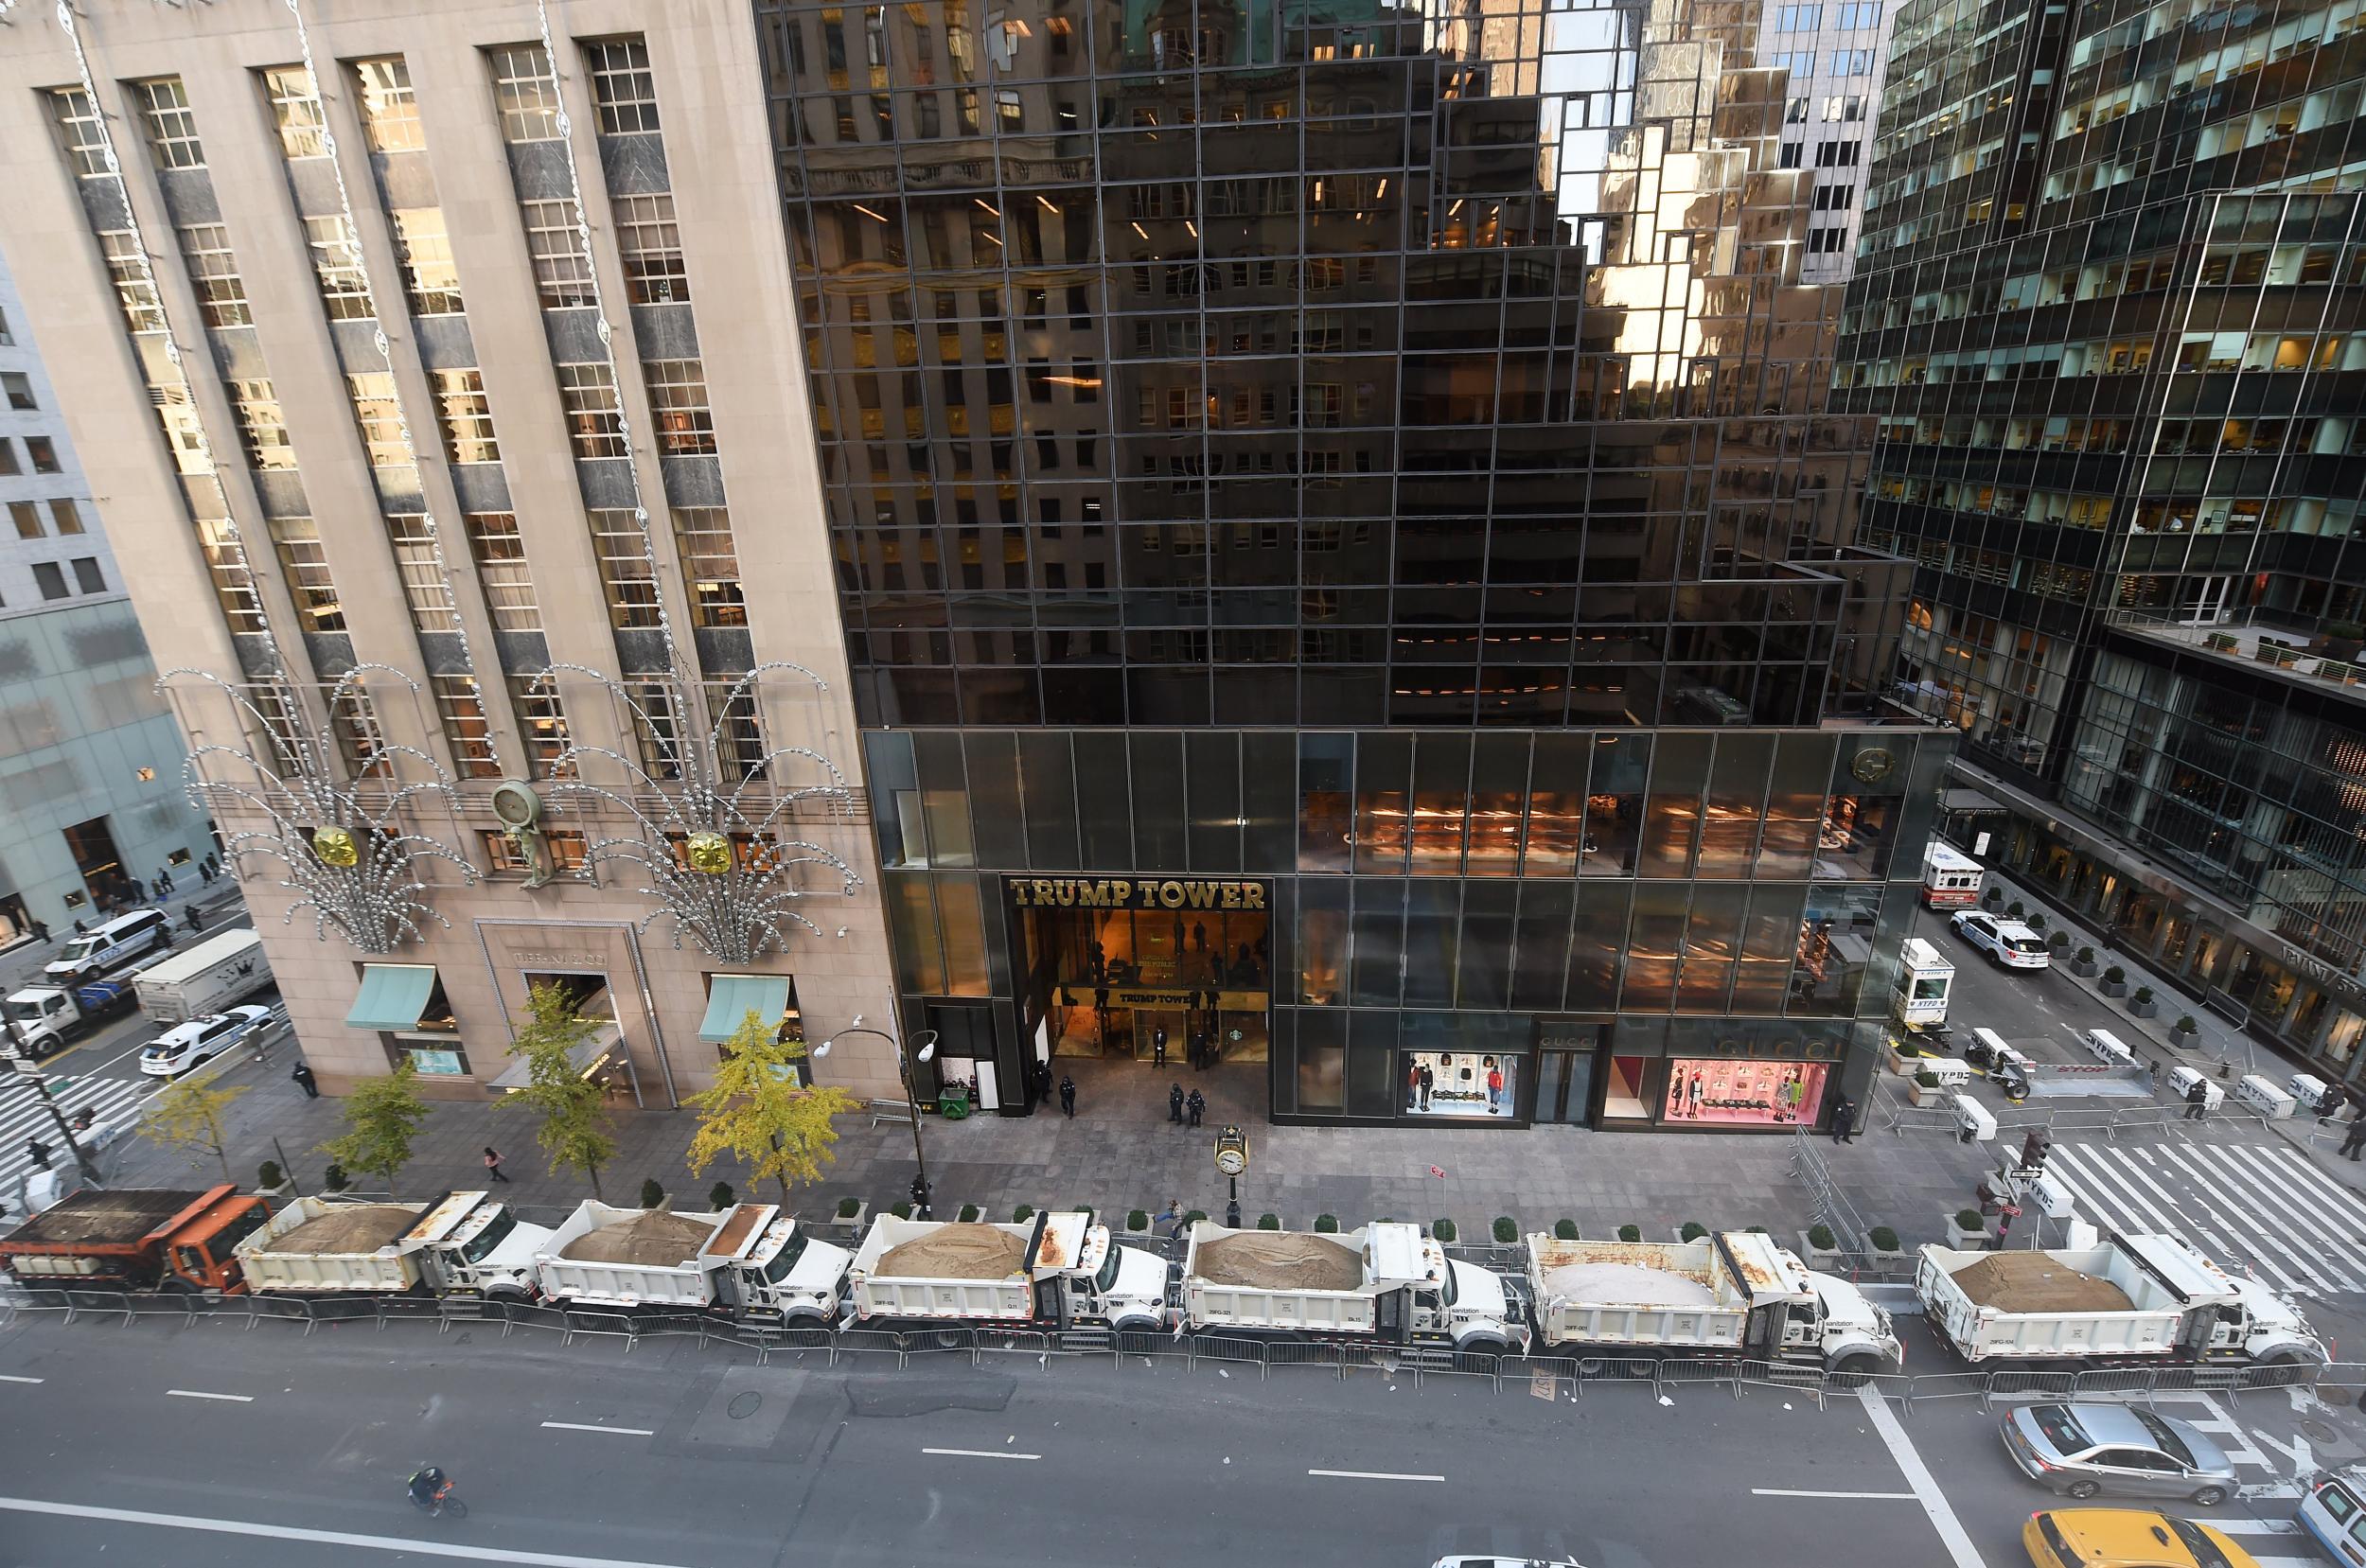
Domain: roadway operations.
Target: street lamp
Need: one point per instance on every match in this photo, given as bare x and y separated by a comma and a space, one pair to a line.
912, 1100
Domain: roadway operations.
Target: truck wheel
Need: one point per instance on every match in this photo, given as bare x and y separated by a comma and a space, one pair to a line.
1856, 1369
1485, 1345
2282, 1368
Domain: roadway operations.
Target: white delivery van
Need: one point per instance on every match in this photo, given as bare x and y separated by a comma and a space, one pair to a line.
109, 947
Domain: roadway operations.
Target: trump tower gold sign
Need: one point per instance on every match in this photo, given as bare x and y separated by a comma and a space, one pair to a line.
1122, 893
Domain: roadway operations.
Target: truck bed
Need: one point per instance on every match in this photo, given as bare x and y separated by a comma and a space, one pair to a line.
2056, 1302
1634, 1293
123, 1217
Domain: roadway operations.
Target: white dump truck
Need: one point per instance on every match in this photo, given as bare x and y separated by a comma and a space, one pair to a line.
1386, 1281
463, 1244
206, 978
748, 1258
1735, 1292
43, 1019
1057, 1270
2149, 1296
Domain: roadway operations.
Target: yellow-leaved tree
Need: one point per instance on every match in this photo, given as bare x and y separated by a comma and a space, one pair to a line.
759, 1112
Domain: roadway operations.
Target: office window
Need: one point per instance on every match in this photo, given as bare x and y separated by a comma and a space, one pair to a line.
1827, 241
1795, 111
461, 709
1788, 156
624, 570
295, 110
182, 433
678, 404
425, 589
1844, 108
87, 576
650, 244
378, 419
428, 272
562, 265
1835, 197
1852, 63
19, 387
262, 424
51, 578
1796, 19
623, 86
171, 129
501, 853
1836, 154
26, 516
542, 726
1799, 63
135, 290
337, 267
595, 418
214, 276
43, 454
466, 415
390, 112
500, 550
525, 93
78, 132
303, 565
1855, 14
6, 337
710, 565
8, 458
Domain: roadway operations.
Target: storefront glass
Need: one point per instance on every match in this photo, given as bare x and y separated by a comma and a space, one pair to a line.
1448, 1083
1749, 1091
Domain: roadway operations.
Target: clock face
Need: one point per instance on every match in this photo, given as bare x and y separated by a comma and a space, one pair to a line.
1232, 1162
1872, 763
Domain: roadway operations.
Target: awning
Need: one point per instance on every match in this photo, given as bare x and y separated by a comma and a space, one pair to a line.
393, 995
1959, 798
585, 1059
732, 997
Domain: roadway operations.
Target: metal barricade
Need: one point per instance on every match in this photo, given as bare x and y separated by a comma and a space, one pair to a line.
2019, 1383
867, 1341
580, 1321
1677, 1370
1797, 1378
1306, 1353
1199, 1348
80, 1302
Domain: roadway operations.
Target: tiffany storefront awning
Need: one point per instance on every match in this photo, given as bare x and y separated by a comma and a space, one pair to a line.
588, 1059
732, 997
393, 997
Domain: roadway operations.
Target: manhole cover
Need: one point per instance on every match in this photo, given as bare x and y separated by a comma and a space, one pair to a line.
2320, 1432
744, 1405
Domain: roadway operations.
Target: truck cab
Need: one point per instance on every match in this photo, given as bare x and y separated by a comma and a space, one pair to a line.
1423, 1295
2255, 1325
767, 1263
471, 1246
1796, 1315
1082, 1276
46, 1016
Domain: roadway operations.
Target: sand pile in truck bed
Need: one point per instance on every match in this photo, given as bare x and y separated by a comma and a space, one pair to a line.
1281, 1261
353, 1228
1626, 1285
956, 1252
2033, 1282
653, 1240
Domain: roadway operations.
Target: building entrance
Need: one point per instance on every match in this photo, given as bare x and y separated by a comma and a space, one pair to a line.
1154, 970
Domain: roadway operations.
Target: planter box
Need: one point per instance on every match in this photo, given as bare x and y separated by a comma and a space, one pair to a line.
852, 1225
280, 1191
1676, 1233
1891, 1262
1907, 1065
2181, 1040
1921, 1096
1965, 1240
2087, 970
1821, 1259
2143, 1009
2112, 988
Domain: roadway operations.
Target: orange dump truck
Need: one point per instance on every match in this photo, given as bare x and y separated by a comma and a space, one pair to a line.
136, 1239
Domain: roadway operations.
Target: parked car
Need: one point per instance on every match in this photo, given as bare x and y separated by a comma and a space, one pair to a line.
200, 1040
2006, 942
2087, 1450
2128, 1538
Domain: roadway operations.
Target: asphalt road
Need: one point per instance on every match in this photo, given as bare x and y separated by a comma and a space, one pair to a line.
211, 1445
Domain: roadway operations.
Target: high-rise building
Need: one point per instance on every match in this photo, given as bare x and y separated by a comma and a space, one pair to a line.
90, 762
1343, 553
1835, 52
2109, 313
435, 364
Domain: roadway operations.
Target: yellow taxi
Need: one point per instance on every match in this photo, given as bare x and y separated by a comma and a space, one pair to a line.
2127, 1538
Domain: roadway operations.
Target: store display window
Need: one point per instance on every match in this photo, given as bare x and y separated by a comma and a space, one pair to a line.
1753, 1092
1460, 1084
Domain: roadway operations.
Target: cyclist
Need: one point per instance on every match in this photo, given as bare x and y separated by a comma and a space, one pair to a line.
428, 1488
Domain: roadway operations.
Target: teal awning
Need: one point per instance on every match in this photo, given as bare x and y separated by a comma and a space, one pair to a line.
393, 995
731, 997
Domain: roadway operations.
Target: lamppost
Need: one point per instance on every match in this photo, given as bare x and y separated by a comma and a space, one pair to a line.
912, 1100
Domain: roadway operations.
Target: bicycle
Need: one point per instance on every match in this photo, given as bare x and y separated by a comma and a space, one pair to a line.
439, 1502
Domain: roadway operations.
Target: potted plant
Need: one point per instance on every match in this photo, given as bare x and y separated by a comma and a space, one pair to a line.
1903, 1056
334, 1179
1820, 1247
2016, 909
652, 1193
1137, 1221
2036, 924
2142, 1004
2114, 981
1564, 1229
852, 1212
2058, 942
1631, 1233
1881, 1241
1272, 1221
1326, 1224
2183, 1032
970, 1214
1925, 1090
1439, 1230
1991, 897
1194, 1218
901, 1210
1691, 1231
2219, 641
1025, 1212
270, 1181
720, 1196
2083, 965
1506, 1231
1967, 1231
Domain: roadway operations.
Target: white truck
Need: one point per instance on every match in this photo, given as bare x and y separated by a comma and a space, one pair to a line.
43, 1019
1058, 1270
1384, 1281
749, 1258
463, 1244
206, 978
1925, 978
1727, 1294
2127, 1296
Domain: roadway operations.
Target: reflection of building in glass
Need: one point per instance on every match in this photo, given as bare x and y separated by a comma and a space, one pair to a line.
2107, 318
1373, 456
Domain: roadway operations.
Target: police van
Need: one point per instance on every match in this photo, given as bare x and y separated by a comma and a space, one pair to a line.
107, 949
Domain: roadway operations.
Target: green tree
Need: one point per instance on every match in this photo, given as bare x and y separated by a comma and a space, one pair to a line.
187, 1114
575, 1132
383, 1117
780, 1129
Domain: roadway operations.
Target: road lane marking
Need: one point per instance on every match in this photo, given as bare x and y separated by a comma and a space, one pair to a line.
9, 1377
1870, 1496
201, 1393
1372, 1475
1934, 1503
613, 1431
981, 1454
325, 1538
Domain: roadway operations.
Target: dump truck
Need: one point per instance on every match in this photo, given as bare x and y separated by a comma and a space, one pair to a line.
2127, 1296
462, 1243
137, 1238
206, 979
1734, 1292
749, 1258
1058, 1269
1386, 1281
45, 1018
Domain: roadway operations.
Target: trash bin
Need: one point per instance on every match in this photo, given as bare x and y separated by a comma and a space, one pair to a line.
953, 1102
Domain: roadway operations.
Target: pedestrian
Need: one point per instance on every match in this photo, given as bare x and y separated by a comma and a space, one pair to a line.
1200, 935
1173, 1211
1159, 1047
2197, 1101
1843, 1121
1174, 1103
1197, 1106
80, 929
304, 1079
1068, 1096
192, 918
920, 1198
2003, 1225
493, 1163
2353, 1137
41, 930
1429, 1081
2330, 1106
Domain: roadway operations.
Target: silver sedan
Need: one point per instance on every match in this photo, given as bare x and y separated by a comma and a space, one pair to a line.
2087, 1450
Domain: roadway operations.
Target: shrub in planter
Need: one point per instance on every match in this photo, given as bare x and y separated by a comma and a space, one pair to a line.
1565, 1231
1272, 1221
2144, 993
1327, 1224
1970, 1219
652, 1194
901, 1210
970, 1214
2086, 954
1694, 1230
268, 1174
1023, 1213
2186, 1024
720, 1196
2115, 975
1992, 896
1444, 1230
849, 1208
1195, 1217
1506, 1231
1821, 1238
1631, 1233
1137, 1218
1757, 1230
1882, 1238
2036, 924
334, 1179
1926, 1078
2016, 909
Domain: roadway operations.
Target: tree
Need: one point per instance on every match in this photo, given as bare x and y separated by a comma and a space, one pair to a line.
576, 1130
187, 1116
383, 1117
778, 1127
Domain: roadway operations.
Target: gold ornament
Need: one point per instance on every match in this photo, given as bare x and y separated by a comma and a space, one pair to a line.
709, 853
335, 847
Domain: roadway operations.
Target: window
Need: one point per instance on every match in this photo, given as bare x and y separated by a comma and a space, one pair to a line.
390, 114
337, 267
135, 289
678, 404
525, 93
1835, 197
6, 337
1795, 111
501, 568
623, 86
461, 709
87, 576
51, 579
8, 457
424, 587
596, 421
262, 424
19, 387
78, 132
562, 267
542, 726
710, 565
1799, 63
26, 516
739, 732
502, 855
1825, 241
466, 416
1837, 154
1852, 63
428, 272
1856, 14
43, 452
1789, 156
650, 244
624, 570
182, 433
295, 108
171, 130
1796, 19
214, 275
301, 561
380, 420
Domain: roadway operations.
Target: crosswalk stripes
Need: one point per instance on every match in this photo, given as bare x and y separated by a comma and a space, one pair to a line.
2246, 1205
22, 1117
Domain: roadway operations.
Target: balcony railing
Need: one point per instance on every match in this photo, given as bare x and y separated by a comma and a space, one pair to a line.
2292, 645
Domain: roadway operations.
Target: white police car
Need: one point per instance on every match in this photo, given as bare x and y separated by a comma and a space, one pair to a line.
185, 1045
2006, 942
